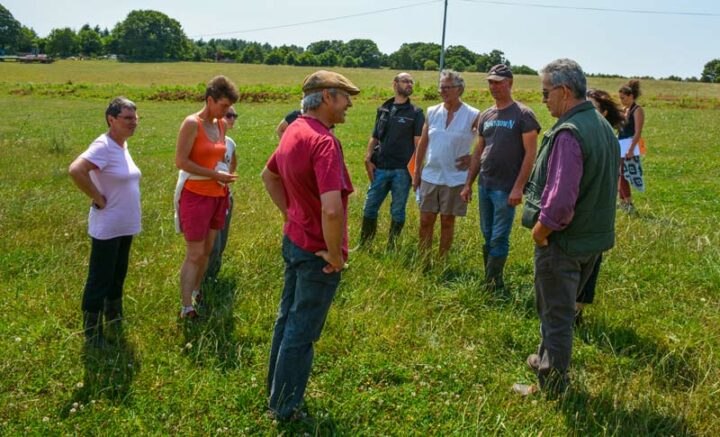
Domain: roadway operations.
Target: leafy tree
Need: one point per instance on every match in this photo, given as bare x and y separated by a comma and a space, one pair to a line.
151, 35
62, 42
10, 30
365, 51
462, 54
431, 65
27, 41
711, 72
291, 58
673, 78
488, 60
252, 54
307, 58
319, 47
349, 61
90, 41
412, 56
523, 69
275, 57
328, 58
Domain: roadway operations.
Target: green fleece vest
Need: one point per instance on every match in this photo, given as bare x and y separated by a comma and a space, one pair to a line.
592, 229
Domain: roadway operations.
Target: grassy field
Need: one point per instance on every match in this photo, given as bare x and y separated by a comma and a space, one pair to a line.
404, 352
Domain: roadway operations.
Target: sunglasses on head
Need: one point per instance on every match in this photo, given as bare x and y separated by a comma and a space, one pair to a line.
231, 115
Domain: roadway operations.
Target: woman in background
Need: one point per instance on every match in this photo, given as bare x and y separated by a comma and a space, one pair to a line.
631, 170
605, 105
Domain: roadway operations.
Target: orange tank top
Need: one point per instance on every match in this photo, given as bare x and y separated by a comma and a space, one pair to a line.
207, 153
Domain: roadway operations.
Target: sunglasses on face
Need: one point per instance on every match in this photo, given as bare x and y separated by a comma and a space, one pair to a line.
546, 93
231, 115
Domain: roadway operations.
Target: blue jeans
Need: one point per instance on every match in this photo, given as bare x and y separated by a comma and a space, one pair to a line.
305, 301
395, 181
496, 220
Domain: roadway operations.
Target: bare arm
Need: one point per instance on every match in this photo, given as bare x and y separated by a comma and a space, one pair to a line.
333, 220
369, 166
233, 163
80, 173
474, 170
639, 117
530, 145
420, 151
186, 138
280, 129
275, 188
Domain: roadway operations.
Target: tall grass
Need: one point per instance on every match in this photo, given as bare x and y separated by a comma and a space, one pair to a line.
405, 351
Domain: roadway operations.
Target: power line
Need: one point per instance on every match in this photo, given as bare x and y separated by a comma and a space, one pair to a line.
592, 9
321, 20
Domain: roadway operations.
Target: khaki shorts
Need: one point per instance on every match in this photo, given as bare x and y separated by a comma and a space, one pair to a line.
442, 199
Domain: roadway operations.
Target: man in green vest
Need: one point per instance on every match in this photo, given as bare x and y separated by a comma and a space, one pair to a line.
570, 207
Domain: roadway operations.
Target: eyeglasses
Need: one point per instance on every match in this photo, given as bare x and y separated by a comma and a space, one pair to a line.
546, 93
447, 87
231, 115
410, 81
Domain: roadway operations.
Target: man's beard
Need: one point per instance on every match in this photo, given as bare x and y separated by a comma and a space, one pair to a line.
405, 93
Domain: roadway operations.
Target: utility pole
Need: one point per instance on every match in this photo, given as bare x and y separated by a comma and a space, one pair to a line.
442, 46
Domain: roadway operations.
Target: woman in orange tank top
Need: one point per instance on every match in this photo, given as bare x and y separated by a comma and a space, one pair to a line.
200, 152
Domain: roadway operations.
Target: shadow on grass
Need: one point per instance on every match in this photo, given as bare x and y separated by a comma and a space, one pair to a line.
601, 415
213, 338
672, 367
109, 373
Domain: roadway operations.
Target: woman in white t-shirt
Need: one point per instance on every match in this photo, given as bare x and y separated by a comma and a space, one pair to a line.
215, 261
441, 161
107, 174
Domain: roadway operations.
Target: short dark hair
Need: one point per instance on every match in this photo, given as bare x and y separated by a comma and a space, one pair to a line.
117, 105
631, 88
613, 114
221, 86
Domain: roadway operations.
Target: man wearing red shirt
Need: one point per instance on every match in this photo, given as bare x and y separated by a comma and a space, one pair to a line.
308, 181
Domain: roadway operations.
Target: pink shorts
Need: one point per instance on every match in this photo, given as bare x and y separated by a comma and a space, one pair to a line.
199, 214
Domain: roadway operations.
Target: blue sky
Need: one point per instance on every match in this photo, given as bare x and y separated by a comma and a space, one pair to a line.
601, 41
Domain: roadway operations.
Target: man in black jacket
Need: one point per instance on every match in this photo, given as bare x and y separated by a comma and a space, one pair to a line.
398, 126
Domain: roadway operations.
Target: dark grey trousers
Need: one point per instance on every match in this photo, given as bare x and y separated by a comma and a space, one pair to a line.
559, 278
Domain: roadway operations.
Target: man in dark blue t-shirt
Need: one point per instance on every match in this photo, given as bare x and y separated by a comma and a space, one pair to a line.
398, 126
503, 157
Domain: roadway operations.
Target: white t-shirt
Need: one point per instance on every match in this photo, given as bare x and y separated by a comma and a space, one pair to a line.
118, 179
446, 144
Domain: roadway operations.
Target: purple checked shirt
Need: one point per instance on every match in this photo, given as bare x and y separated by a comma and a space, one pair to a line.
565, 168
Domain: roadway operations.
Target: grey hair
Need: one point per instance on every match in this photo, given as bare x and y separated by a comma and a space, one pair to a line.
117, 105
566, 72
313, 100
455, 77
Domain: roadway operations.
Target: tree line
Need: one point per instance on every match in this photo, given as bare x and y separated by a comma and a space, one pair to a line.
146, 35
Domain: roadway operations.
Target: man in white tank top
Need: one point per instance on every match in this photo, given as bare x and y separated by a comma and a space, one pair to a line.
442, 160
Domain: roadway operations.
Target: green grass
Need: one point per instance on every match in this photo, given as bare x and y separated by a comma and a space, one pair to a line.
403, 351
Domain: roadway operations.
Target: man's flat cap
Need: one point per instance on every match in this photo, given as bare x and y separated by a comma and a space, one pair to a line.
323, 79
499, 72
